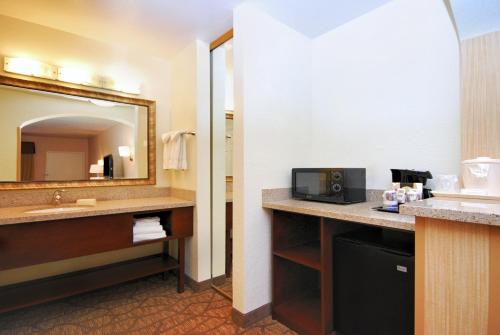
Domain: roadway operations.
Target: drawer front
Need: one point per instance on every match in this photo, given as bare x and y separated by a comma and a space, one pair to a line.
41, 242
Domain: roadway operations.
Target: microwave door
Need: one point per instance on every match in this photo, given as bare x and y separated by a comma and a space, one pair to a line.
312, 184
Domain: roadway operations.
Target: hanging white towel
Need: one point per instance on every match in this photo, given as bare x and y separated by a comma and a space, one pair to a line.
174, 150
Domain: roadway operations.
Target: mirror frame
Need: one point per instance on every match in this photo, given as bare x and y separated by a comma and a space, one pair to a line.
81, 92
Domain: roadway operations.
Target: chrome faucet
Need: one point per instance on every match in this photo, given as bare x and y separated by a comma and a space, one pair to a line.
57, 197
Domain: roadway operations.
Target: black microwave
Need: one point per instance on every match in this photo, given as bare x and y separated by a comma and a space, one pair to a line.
334, 185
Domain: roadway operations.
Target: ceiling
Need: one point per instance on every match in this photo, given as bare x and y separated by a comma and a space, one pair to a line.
476, 17
163, 27
156, 27
316, 17
70, 126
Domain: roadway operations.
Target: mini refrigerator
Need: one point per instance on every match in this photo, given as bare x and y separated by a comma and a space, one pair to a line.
374, 282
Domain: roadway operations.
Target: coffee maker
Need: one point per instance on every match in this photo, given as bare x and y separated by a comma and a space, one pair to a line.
408, 177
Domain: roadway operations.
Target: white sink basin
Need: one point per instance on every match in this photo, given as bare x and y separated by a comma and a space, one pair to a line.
54, 210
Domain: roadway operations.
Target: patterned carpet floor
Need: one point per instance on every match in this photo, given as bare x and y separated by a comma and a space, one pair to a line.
148, 306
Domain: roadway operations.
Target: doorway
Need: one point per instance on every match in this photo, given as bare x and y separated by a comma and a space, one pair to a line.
65, 165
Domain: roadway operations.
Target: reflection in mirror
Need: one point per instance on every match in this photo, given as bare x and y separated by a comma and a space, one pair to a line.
229, 147
69, 138
222, 168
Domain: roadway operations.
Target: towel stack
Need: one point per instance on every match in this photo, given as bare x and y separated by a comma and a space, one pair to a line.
146, 229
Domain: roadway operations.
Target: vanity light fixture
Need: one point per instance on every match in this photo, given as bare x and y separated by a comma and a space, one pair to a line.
34, 68
124, 151
30, 67
74, 75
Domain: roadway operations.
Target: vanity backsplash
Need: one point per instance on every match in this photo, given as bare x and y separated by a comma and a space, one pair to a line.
13, 198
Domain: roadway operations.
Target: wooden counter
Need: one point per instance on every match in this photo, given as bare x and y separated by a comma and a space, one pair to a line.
457, 251
457, 269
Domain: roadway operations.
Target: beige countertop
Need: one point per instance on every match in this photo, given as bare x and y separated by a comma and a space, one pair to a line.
463, 210
13, 215
362, 212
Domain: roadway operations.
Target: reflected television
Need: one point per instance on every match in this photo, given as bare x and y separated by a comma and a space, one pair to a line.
108, 167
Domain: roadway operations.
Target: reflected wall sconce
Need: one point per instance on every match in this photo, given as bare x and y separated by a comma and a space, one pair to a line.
73, 75
124, 151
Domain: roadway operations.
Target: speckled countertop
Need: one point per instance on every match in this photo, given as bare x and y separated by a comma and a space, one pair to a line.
472, 211
13, 215
362, 212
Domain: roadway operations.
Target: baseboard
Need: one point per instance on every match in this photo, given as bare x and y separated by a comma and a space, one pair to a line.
245, 320
198, 286
219, 281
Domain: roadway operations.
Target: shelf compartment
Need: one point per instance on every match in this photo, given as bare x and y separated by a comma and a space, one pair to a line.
296, 296
156, 240
302, 313
291, 230
54, 288
307, 254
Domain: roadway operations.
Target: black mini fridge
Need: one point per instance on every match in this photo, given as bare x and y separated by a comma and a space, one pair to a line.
374, 282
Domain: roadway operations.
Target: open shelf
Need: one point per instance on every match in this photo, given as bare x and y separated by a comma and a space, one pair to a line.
156, 240
307, 254
301, 312
54, 288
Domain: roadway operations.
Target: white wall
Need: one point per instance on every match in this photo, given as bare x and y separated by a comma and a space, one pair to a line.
271, 135
379, 92
386, 92
190, 110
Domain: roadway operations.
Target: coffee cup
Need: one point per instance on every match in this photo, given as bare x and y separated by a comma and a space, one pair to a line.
390, 198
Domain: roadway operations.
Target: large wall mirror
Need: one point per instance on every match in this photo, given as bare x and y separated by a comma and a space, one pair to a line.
55, 136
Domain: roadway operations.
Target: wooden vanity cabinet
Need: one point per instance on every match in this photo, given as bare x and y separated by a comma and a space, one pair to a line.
41, 242
32, 243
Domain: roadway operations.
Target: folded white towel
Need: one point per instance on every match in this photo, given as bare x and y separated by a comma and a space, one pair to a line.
148, 218
149, 236
148, 226
147, 221
174, 150
148, 229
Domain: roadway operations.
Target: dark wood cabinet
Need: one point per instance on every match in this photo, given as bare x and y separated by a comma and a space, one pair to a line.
303, 271
27, 244
41, 242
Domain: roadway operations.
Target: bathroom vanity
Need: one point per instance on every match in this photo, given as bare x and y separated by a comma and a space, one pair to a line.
34, 238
